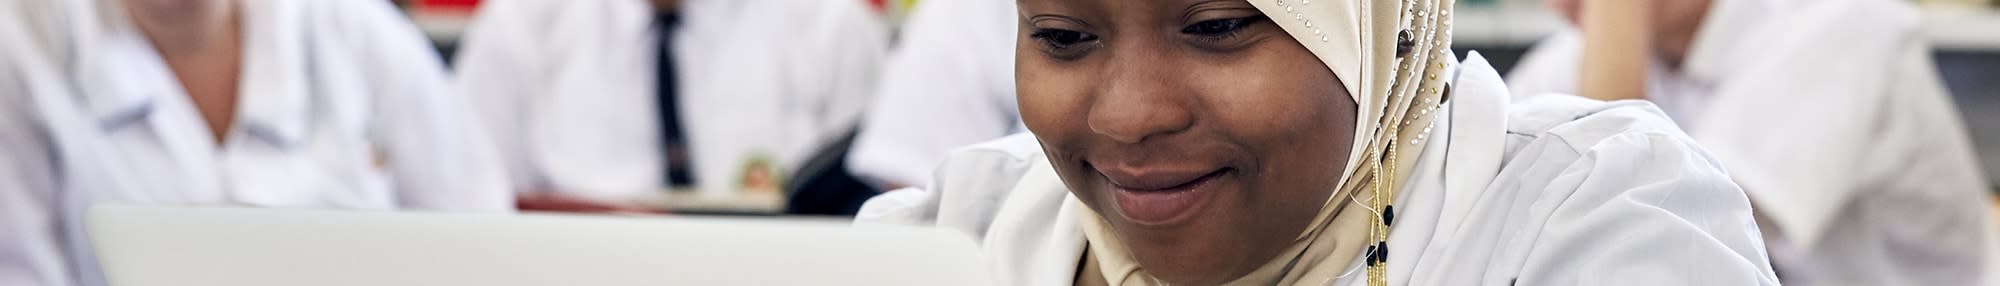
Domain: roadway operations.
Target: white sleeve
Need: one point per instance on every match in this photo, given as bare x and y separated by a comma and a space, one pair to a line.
943, 88
1925, 217
31, 232
438, 153
966, 193
1796, 129
1636, 208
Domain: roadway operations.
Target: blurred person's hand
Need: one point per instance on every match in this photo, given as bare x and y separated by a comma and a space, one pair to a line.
558, 202
1622, 37
1616, 42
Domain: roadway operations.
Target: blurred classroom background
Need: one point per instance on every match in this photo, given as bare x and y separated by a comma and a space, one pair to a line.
1964, 33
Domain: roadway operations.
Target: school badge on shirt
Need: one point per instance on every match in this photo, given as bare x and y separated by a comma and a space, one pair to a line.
760, 174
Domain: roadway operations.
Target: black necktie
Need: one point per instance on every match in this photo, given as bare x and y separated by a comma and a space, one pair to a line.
669, 103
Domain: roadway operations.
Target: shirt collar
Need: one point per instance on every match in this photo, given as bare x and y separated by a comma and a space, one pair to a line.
123, 77
276, 86
1727, 30
118, 70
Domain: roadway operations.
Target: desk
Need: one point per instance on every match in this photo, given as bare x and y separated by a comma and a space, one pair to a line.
732, 203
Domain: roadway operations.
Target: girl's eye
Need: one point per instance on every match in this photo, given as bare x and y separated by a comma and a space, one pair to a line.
1064, 44
1059, 38
1219, 27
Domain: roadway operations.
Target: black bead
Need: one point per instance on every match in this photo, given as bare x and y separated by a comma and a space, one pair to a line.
1371, 255
1378, 253
1389, 215
1382, 250
1404, 43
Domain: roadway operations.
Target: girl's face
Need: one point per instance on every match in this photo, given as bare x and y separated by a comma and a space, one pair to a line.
1205, 135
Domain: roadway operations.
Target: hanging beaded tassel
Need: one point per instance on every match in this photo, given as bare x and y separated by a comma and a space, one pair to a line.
1428, 23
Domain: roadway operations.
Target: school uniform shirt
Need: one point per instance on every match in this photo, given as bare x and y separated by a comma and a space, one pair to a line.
1549, 191
948, 84
342, 105
569, 87
1832, 116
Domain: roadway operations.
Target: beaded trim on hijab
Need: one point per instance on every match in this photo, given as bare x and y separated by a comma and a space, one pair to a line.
1430, 93
1435, 28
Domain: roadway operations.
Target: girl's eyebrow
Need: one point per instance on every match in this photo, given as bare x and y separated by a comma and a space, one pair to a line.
1031, 20
1188, 13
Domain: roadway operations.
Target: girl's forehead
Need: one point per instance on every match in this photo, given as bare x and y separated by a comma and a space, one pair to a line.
1128, 7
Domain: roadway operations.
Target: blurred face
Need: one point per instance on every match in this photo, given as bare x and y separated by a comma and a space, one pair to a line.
1674, 23
1203, 134
666, 5
181, 25
177, 12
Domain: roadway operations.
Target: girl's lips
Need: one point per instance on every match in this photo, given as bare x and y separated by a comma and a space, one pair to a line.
1171, 204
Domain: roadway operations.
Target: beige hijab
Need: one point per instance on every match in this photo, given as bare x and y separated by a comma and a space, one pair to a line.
1388, 54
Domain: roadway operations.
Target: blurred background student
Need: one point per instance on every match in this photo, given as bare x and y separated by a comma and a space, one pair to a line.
269, 103
609, 99
1831, 114
948, 83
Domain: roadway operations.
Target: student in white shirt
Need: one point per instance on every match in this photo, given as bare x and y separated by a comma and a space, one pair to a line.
1831, 115
602, 98
948, 83
270, 103
1312, 142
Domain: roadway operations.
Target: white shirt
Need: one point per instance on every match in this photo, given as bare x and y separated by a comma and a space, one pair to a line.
1681, 98
949, 84
1543, 192
569, 86
342, 105
1832, 116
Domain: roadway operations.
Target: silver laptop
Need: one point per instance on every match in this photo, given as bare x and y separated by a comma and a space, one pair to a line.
144, 246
